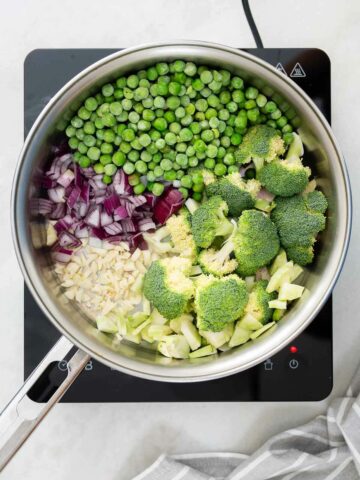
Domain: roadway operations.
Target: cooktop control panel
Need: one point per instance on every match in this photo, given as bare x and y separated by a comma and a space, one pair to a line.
301, 371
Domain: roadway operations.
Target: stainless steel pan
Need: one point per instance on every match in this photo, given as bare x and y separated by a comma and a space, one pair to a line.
15, 422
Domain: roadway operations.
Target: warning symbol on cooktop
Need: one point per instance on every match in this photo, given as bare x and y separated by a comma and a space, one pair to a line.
281, 68
297, 71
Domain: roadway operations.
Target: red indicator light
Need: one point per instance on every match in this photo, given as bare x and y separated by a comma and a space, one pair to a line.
293, 349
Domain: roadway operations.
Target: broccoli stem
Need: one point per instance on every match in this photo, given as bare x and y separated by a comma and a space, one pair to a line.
161, 233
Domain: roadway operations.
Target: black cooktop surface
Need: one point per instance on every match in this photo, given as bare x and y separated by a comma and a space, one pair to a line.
301, 371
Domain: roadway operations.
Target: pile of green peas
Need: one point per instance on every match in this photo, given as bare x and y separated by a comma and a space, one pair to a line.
162, 124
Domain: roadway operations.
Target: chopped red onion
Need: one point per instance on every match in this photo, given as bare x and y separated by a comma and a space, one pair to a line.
114, 229
111, 204
146, 224
67, 239
66, 178
265, 195
93, 217
41, 206
128, 225
58, 211
85, 207
262, 274
60, 254
120, 213
105, 219
138, 200
73, 197
57, 195
81, 231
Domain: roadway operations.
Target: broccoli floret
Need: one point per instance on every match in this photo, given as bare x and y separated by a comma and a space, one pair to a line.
316, 201
218, 262
260, 143
237, 193
258, 304
179, 228
167, 286
219, 301
299, 219
284, 177
256, 242
209, 221
301, 255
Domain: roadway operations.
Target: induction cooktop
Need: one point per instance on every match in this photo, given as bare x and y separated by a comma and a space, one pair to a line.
300, 372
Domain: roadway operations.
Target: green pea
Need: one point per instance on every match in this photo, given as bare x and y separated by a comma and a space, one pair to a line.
229, 159
139, 188
145, 139
173, 102
166, 164
190, 69
98, 168
118, 159
238, 96
270, 107
84, 113
157, 189
198, 187
128, 168
288, 138
162, 68
140, 166
211, 151
93, 153
145, 156
276, 115
105, 159
251, 93
170, 138
184, 192
207, 136
186, 181
193, 162
150, 176
195, 128
84, 162
74, 143
220, 169
107, 90
287, 128
224, 114
185, 135
83, 148
158, 171
170, 175
197, 196
91, 104
70, 131
110, 169
144, 125
197, 85
236, 139
209, 163
237, 83
133, 179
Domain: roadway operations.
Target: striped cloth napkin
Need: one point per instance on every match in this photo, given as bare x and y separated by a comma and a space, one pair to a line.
326, 448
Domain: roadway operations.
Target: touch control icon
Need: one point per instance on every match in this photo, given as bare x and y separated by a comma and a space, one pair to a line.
63, 365
294, 363
268, 364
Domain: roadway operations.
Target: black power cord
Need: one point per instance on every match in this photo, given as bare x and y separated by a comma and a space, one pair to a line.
252, 24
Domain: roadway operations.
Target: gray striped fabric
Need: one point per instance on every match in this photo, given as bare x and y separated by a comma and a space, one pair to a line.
326, 448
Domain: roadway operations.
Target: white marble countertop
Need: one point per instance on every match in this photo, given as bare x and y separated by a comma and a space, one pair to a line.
116, 441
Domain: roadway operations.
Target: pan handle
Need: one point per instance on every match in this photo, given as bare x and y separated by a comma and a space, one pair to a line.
47, 384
